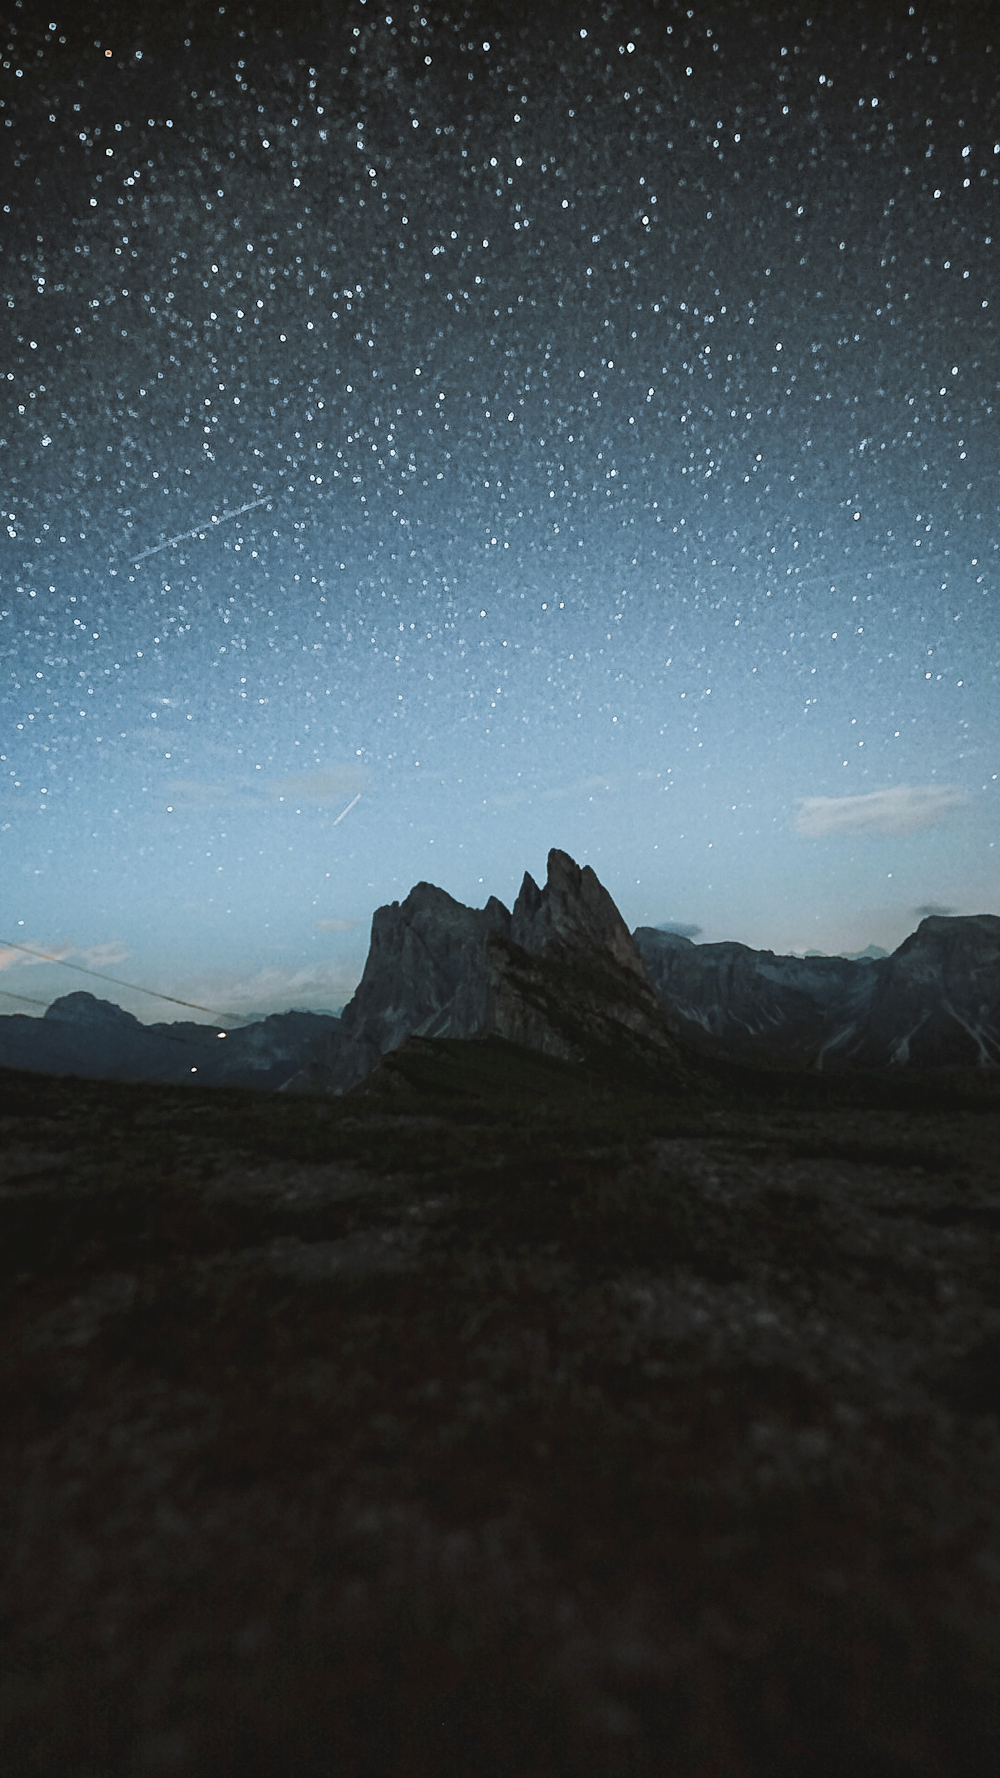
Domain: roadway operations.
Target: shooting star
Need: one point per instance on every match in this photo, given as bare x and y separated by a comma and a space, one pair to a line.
216, 519
343, 812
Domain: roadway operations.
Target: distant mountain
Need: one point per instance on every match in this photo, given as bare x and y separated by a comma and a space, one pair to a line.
852, 956
80, 1034
935, 1002
560, 973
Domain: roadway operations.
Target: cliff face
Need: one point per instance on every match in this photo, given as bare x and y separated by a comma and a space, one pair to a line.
938, 997
427, 974
746, 1005
569, 979
935, 1002
559, 974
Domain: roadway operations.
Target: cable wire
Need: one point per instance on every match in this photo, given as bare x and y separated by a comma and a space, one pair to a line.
116, 979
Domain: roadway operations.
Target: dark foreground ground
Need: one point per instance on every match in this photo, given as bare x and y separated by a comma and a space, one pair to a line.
518, 1422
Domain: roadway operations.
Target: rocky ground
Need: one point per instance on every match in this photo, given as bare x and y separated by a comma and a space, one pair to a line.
513, 1420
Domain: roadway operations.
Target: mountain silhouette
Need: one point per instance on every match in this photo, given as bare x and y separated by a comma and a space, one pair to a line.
561, 974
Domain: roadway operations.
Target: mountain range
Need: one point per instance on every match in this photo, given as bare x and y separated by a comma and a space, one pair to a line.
933, 1003
561, 974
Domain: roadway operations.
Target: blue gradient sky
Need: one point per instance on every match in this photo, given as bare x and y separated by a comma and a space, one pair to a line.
563, 426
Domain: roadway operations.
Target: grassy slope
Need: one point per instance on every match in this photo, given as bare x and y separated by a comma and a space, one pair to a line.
591, 1480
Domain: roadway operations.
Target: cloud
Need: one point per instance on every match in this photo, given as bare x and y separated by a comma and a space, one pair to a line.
510, 799
580, 787
320, 987
335, 925
330, 785
927, 908
104, 956
96, 957
193, 793
678, 927
11, 959
904, 809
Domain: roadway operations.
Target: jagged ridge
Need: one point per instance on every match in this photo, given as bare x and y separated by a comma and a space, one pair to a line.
559, 973
935, 1002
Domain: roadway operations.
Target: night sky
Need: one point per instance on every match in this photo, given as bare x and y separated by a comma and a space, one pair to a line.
435, 434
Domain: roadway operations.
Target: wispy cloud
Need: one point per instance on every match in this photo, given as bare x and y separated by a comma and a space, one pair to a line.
335, 925
194, 793
12, 958
104, 956
319, 986
35, 952
679, 928
927, 908
580, 787
906, 808
330, 785
556, 793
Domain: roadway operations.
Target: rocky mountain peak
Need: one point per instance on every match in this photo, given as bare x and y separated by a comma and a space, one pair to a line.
574, 910
971, 938
82, 1008
559, 974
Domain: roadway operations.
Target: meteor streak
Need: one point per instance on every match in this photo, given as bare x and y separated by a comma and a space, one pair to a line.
343, 812
216, 519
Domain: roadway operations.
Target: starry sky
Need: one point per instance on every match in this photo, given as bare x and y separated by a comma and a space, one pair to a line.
431, 434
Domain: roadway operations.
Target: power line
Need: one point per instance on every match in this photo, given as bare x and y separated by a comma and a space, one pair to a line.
32, 1000
101, 977
29, 999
